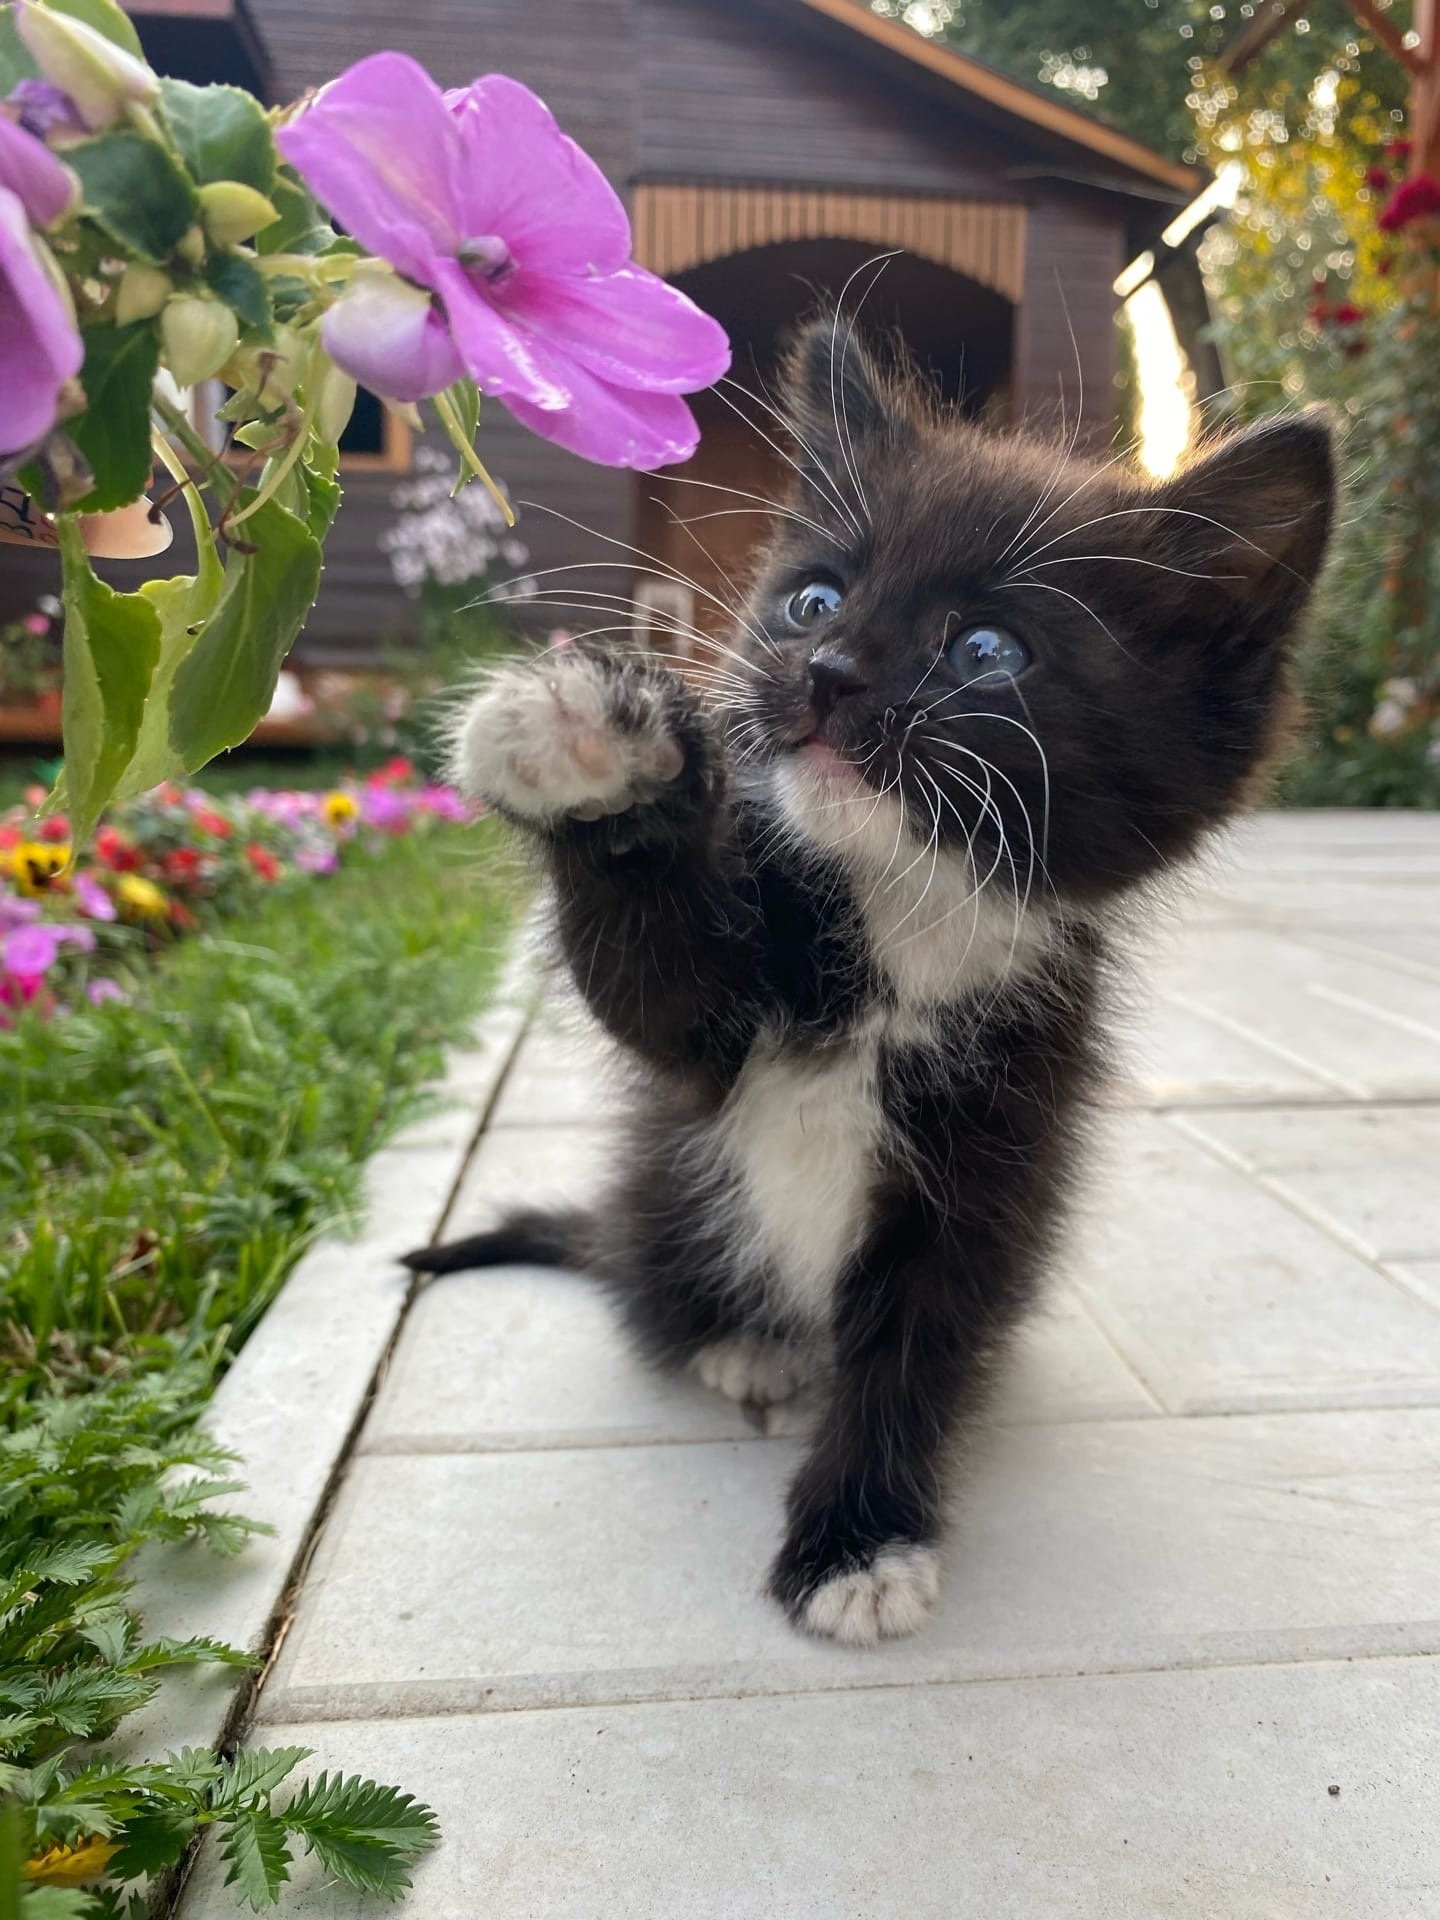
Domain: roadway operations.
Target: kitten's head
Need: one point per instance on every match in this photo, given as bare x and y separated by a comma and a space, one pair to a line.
1040, 657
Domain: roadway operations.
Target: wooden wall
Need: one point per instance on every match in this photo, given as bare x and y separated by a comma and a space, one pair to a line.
1065, 355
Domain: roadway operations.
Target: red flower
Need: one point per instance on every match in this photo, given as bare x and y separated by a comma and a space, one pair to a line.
1400, 147
263, 862
394, 773
1417, 199
1377, 176
1385, 265
181, 916
1319, 312
181, 866
56, 828
1347, 314
215, 824
113, 850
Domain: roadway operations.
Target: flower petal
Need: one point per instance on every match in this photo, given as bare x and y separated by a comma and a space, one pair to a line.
44, 187
382, 152
628, 328
615, 427
531, 185
40, 348
500, 358
391, 337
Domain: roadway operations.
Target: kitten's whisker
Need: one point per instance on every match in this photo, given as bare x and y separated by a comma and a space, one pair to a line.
1045, 586
759, 499
832, 497
841, 414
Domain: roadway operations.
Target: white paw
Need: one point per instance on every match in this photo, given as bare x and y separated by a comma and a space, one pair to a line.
544, 739
893, 1596
752, 1370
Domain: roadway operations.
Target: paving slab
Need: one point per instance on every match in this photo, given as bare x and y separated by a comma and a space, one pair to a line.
1187, 1796
479, 1582
1192, 1582
1225, 1300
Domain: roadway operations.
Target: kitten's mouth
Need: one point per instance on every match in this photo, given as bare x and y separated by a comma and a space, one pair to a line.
828, 763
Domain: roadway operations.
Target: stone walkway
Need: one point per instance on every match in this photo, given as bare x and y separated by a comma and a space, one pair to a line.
1185, 1660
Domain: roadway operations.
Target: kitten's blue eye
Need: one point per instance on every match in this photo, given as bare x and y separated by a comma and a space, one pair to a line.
814, 602
987, 655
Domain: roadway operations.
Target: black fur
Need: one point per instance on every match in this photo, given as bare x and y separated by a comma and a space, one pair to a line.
709, 925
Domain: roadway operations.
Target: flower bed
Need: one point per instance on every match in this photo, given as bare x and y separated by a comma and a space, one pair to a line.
165, 1159
159, 866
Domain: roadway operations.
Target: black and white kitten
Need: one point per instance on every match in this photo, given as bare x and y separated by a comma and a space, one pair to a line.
853, 927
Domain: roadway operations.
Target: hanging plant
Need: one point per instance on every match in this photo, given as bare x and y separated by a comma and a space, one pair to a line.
155, 234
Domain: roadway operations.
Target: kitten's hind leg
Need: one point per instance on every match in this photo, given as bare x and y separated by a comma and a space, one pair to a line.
528, 1237
751, 1368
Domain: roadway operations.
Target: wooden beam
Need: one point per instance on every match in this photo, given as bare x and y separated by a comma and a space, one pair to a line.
1005, 96
1271, 19
1386, 32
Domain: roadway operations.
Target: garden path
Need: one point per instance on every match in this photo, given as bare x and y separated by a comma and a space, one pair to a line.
1184, 1662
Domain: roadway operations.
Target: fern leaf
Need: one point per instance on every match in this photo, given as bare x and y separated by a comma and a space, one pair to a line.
258, 1772
258, 1855
362, 1832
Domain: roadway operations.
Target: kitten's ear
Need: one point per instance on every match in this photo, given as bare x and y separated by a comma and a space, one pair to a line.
1254, 515
835, 398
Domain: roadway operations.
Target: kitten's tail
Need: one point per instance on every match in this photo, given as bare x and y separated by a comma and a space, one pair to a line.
529, 1237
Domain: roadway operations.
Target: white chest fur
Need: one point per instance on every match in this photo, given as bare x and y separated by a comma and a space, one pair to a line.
802, 1134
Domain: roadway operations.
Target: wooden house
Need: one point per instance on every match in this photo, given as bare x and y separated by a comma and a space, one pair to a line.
766, 150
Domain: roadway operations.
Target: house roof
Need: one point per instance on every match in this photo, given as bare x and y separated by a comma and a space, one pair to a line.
995, 96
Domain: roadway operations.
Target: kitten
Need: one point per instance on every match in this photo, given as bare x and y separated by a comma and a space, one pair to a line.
854, 926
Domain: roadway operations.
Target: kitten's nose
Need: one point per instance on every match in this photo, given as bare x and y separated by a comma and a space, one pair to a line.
833, 675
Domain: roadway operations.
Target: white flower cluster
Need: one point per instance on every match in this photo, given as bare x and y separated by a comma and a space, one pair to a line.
453, 542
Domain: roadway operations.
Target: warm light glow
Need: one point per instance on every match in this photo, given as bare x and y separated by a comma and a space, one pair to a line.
1165, 414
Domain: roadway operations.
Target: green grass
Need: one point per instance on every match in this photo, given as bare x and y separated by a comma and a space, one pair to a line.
163, 1164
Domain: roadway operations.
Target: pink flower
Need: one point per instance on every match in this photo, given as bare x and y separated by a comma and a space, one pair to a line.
37, 624
97, 992
28, 953
40, 348
92, 899
45, 188
521, 247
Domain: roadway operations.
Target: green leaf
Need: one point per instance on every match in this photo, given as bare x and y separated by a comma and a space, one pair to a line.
114, 431
16, 65
258, 1771
112, 644
67, 1561
259, 1857
109, 1633
363, 1832
302, 227
106, 18
224, 686
222, 133
184, 603
240, 285
151, 1841
135, 191
56, 1903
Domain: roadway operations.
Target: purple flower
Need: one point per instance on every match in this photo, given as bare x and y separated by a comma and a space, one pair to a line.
45, 188
15, 911
29, 952
97, 992
317, 859
45, 108
94, 902
40, 348
479, 198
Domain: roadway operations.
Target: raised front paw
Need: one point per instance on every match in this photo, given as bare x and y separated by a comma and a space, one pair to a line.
888, 1593
571, 735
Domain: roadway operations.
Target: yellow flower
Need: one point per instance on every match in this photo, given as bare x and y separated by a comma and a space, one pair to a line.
340, 809
71, 1866
36, 863
141, 896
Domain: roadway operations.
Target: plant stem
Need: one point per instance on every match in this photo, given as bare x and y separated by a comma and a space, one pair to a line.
213, 470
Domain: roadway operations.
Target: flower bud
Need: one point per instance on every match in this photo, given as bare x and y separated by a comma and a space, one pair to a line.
198, 337
271, 369
191, 246
142, 292
101, 78
230, 211
333, 395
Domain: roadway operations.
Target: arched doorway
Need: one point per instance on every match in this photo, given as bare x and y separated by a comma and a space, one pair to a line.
957, 331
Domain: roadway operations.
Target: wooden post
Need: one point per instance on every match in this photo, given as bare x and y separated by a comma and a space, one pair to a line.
1425, 91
